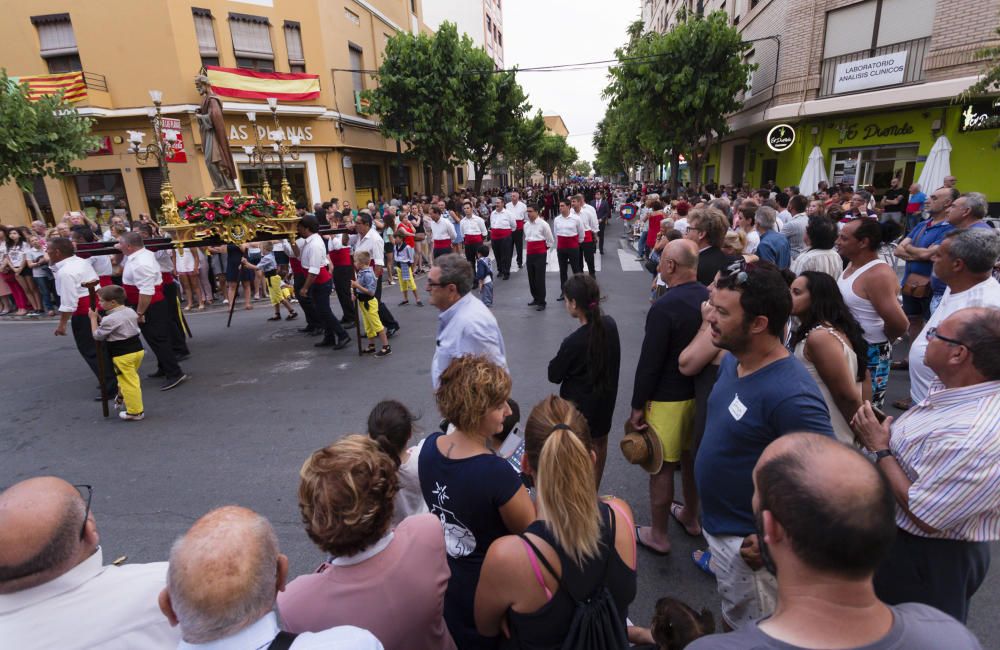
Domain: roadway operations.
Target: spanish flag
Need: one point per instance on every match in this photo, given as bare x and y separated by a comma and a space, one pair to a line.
39, 85
249, 84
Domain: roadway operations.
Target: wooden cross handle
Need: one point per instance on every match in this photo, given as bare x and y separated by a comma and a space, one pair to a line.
92, 291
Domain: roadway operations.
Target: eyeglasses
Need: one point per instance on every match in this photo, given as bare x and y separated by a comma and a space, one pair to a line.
932, 334
86, 513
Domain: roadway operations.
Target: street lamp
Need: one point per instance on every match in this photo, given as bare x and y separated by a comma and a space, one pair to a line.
258, 156
162, 150
283, 150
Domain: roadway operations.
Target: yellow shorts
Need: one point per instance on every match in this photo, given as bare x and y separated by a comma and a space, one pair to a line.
274, 289
673, 423
407, 283
370, 319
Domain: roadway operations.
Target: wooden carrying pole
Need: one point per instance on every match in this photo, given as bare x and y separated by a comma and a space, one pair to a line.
99, 346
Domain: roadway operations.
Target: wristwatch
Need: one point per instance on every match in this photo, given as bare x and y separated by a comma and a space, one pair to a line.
882, 453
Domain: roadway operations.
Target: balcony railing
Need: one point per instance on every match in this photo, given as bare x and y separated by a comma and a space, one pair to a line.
95, 81
913, 70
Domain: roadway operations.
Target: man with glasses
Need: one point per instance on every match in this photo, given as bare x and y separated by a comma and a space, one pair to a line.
56, 591
942, 461
465, 325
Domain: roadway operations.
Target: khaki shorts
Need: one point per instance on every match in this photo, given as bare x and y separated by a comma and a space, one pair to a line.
746, 595
673, 423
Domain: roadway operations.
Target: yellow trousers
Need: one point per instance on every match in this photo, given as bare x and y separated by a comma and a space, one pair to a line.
127, 369
407, 283
274, 289
370, 319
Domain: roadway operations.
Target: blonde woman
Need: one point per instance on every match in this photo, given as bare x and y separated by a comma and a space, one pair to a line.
581, 540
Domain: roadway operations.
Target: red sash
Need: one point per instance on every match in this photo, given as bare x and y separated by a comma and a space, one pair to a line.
104, 280
537, 247
588, 236
341, 257
442, 244
132, 294
323, 276
82, 306
168, 277
500, 233
519, 224
572, 241
473, 239
296, 266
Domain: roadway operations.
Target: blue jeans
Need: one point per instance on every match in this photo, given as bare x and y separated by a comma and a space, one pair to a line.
486, 294
43, 289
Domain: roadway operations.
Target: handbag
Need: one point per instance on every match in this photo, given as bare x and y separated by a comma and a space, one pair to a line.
917, 286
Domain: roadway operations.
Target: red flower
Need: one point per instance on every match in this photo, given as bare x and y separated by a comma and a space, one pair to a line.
210, 216
204, 204
256, 212
181, 204
224, 212
228, 201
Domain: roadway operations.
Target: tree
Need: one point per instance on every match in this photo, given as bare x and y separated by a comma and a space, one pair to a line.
420, 95
617, 144
522, 150
41, 138
676, 89
990, 81
581, 168
554, 155
494, 107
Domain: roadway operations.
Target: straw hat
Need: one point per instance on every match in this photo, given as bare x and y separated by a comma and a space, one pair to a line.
642, 448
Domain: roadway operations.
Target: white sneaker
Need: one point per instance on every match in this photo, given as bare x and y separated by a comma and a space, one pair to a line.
125, 415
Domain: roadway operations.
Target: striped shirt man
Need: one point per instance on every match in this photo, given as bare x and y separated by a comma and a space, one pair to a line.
949, 446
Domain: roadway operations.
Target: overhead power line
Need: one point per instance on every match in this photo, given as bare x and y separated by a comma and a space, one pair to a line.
562, 67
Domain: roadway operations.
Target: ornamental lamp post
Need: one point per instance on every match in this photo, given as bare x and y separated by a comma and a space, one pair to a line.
162, 150
258, 156
283, 150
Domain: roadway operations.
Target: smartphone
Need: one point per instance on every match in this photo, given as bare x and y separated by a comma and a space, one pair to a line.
879, 414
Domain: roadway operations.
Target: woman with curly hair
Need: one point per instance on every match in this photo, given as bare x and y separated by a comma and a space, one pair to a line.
391, 582
476, 494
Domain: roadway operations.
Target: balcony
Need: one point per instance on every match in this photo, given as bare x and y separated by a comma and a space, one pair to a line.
97, 91
913, 69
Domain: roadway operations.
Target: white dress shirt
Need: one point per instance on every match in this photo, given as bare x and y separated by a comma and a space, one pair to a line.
70, 274
568, 226
473, 225
165, 260
442, 229
518, 210
538, 230
467, 327
91, 606
588, 217
259, 635
313, 254
372, 242
101, 264
142, 271
502, 220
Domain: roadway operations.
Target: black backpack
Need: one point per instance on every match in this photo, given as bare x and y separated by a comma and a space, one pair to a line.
596, 624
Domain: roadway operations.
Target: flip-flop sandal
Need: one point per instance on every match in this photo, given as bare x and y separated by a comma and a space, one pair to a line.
654, 551
292, 315
675, 507
704, 562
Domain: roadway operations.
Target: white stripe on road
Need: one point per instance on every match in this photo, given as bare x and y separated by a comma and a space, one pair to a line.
628, 260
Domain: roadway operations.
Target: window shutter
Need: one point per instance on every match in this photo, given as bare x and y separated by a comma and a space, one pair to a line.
251, 36
55, 35
205, 29
293, 41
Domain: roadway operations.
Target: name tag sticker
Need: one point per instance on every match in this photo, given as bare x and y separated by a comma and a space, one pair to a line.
736, 408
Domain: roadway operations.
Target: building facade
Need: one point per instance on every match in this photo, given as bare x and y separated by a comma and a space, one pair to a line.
163, 44
872, 83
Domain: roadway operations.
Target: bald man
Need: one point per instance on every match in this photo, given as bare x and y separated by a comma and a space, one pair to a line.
823, 537
56, 592
222, 582
663, 398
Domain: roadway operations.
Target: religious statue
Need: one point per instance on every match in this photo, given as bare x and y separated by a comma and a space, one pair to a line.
215, 142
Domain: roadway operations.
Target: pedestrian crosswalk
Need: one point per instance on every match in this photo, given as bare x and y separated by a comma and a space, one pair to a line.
626, 258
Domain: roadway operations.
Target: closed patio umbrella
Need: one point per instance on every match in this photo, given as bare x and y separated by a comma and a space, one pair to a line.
937, 166
815, 172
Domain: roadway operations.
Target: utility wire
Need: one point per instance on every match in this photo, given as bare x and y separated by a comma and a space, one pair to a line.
543, 68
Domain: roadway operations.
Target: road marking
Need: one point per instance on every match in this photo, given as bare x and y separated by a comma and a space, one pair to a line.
627, 258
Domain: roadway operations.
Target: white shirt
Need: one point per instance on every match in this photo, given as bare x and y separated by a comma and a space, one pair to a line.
817, 259
372, 242
518, 210
101, 264
165, 260
681, 226
442, 229
467, 327
313, 254
90, 606
984, 294
783, 217
336, 242
568, 226
142, 271
259, 635
588, 217
184, 263
502, 220
473, 225
70, 274
538, 230
753, 240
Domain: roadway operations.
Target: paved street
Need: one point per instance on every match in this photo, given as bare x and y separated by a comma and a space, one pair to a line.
261, 398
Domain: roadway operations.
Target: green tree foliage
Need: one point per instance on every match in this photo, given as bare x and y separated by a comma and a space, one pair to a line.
617, 144
554, 155
581, 168
523, 148
41, 138
674, 90
990, 81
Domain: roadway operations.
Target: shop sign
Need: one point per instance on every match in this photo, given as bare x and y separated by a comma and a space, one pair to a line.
175, 124
980, 116
849, 130
243, 131
781, 138
103, 147
874, 72
348, 163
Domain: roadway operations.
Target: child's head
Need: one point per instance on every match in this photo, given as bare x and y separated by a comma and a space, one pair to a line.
483, 251
35, 241
362, 259
390, 424
266, 247
111, 296
675, 624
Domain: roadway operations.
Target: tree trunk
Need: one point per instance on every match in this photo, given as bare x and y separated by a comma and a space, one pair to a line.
37, 208
438, 181
675, 171
478, 171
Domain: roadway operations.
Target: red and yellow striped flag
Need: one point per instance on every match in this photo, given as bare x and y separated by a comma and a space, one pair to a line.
250, 84
39, 85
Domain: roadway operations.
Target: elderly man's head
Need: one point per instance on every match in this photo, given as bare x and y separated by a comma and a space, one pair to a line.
966, 257
448, 280
224, 575
964, 349
44, 532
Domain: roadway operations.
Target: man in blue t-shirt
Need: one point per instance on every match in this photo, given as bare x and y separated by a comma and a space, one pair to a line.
762, 393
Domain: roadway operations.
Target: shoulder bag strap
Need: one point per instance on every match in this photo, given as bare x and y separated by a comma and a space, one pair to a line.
283, 641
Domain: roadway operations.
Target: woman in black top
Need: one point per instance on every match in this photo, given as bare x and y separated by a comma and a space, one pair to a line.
586, 366
579, 545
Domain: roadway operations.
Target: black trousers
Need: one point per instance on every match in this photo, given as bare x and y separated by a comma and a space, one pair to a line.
569, 258
587, 250
536, 277
942, 573
470, 255
518, 240
384, 314
157, 332
342, 276
320, 296
502, 250
600, 235
178, 328
306, 303
80, 325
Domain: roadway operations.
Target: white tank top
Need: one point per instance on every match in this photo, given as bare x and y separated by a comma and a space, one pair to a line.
863, 310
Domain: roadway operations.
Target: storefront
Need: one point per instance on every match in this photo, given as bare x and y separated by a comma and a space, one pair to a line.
102, 194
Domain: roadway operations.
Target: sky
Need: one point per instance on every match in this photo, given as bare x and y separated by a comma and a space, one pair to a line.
554, 32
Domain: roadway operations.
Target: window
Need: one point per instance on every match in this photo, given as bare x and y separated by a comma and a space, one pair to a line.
252, 42
57, 42
499, 38
489, 25
875, 23
352, 17
357, 64
413, 7
461, 176
204, 28
293, 43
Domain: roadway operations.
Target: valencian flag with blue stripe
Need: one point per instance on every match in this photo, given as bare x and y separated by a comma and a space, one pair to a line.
250, 84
